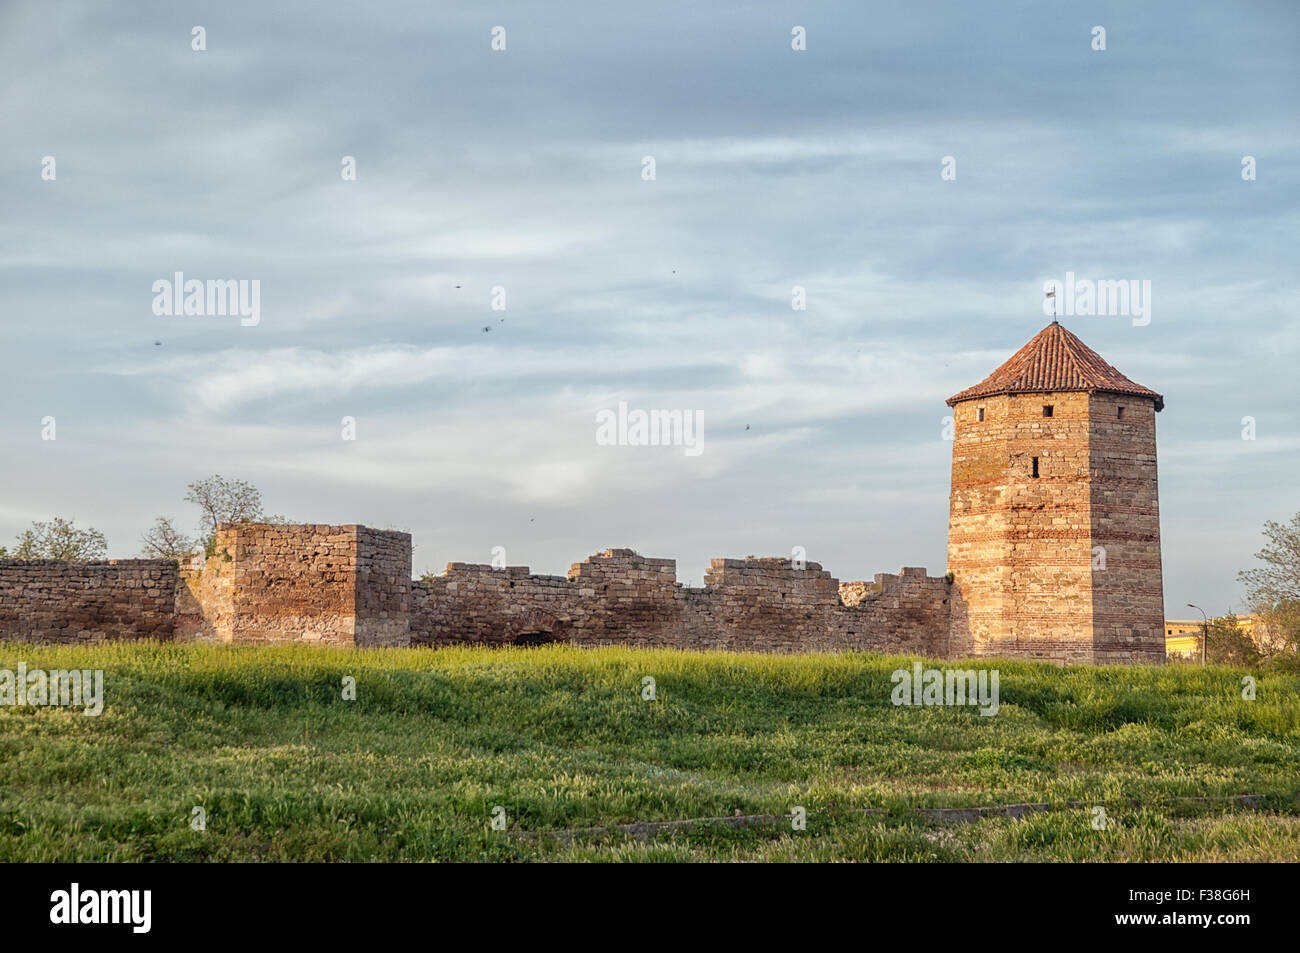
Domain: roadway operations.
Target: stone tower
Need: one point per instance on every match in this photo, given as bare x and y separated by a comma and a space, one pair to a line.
1054, 524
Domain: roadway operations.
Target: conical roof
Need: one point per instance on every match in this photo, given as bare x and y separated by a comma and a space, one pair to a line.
1055, 360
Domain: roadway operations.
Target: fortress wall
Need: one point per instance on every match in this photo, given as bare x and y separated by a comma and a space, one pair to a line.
47, 600
906, 614
615, 597
476, 604
622, 598
268, 583
383, 588
205, 602
290, 583
764, 605
350, 585
627, 599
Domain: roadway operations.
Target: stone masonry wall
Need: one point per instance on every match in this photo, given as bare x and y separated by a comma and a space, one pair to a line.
272, 583
383, 588
350, 586
903, 614
46, 600
619, 597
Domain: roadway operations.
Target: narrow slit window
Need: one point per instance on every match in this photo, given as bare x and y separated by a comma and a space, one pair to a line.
1047, 410
1119, 413
980, 418
1035, 467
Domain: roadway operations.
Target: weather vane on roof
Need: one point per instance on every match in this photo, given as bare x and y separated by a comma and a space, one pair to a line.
1052, 294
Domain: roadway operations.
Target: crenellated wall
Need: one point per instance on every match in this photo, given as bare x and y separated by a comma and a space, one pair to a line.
350, 586
619, 597
268, 583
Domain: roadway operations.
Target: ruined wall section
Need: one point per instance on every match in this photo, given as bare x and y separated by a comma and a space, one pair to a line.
48, 600
764, 605
271, 583
205, 602
630, 600
905, 614
475, 604
350, 586
382, 605
619, 597
613, 598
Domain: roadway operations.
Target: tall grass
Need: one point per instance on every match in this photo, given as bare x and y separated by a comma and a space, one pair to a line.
286, 769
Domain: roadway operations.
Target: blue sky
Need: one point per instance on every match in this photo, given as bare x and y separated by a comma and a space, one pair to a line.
522, 169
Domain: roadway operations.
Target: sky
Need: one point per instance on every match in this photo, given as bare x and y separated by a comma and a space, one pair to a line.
518, 177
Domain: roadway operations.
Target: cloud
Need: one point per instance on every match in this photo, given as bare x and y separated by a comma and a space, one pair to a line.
523, 170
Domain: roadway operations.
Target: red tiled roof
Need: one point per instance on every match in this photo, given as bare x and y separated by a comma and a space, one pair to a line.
1055, 360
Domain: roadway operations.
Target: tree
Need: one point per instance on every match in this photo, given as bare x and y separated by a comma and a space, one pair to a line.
164, 541
226, 501
1229, 644
1273, 589
60, 539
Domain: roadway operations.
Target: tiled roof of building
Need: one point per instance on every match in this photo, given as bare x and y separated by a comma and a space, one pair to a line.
1055, 360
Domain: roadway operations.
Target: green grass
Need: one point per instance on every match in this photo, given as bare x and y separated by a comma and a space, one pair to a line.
560, 737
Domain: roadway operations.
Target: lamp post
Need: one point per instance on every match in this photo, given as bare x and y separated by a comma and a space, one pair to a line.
1205, 629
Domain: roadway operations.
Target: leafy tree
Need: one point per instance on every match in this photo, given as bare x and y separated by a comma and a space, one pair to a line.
226, 501
1229, 644
60, 539
1278, 580
1273, 589
164, 541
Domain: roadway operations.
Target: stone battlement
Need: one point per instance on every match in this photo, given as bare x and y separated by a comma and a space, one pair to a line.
268, 583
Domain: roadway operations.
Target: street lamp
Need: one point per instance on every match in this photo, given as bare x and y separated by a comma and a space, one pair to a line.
1205, 629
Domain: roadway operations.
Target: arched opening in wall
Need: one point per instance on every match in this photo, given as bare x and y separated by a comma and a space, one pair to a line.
533, 638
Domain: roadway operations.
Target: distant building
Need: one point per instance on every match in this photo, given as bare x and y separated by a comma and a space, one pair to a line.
1183, 636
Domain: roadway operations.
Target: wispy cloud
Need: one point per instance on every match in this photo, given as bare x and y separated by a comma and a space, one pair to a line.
522, 171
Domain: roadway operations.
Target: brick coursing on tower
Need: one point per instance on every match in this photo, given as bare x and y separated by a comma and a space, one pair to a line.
1054, 525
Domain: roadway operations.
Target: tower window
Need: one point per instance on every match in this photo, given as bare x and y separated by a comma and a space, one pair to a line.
1047, 410
1035, 467
980, 413
1119, 413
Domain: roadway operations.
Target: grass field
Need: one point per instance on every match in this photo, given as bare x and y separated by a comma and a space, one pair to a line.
286, 769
